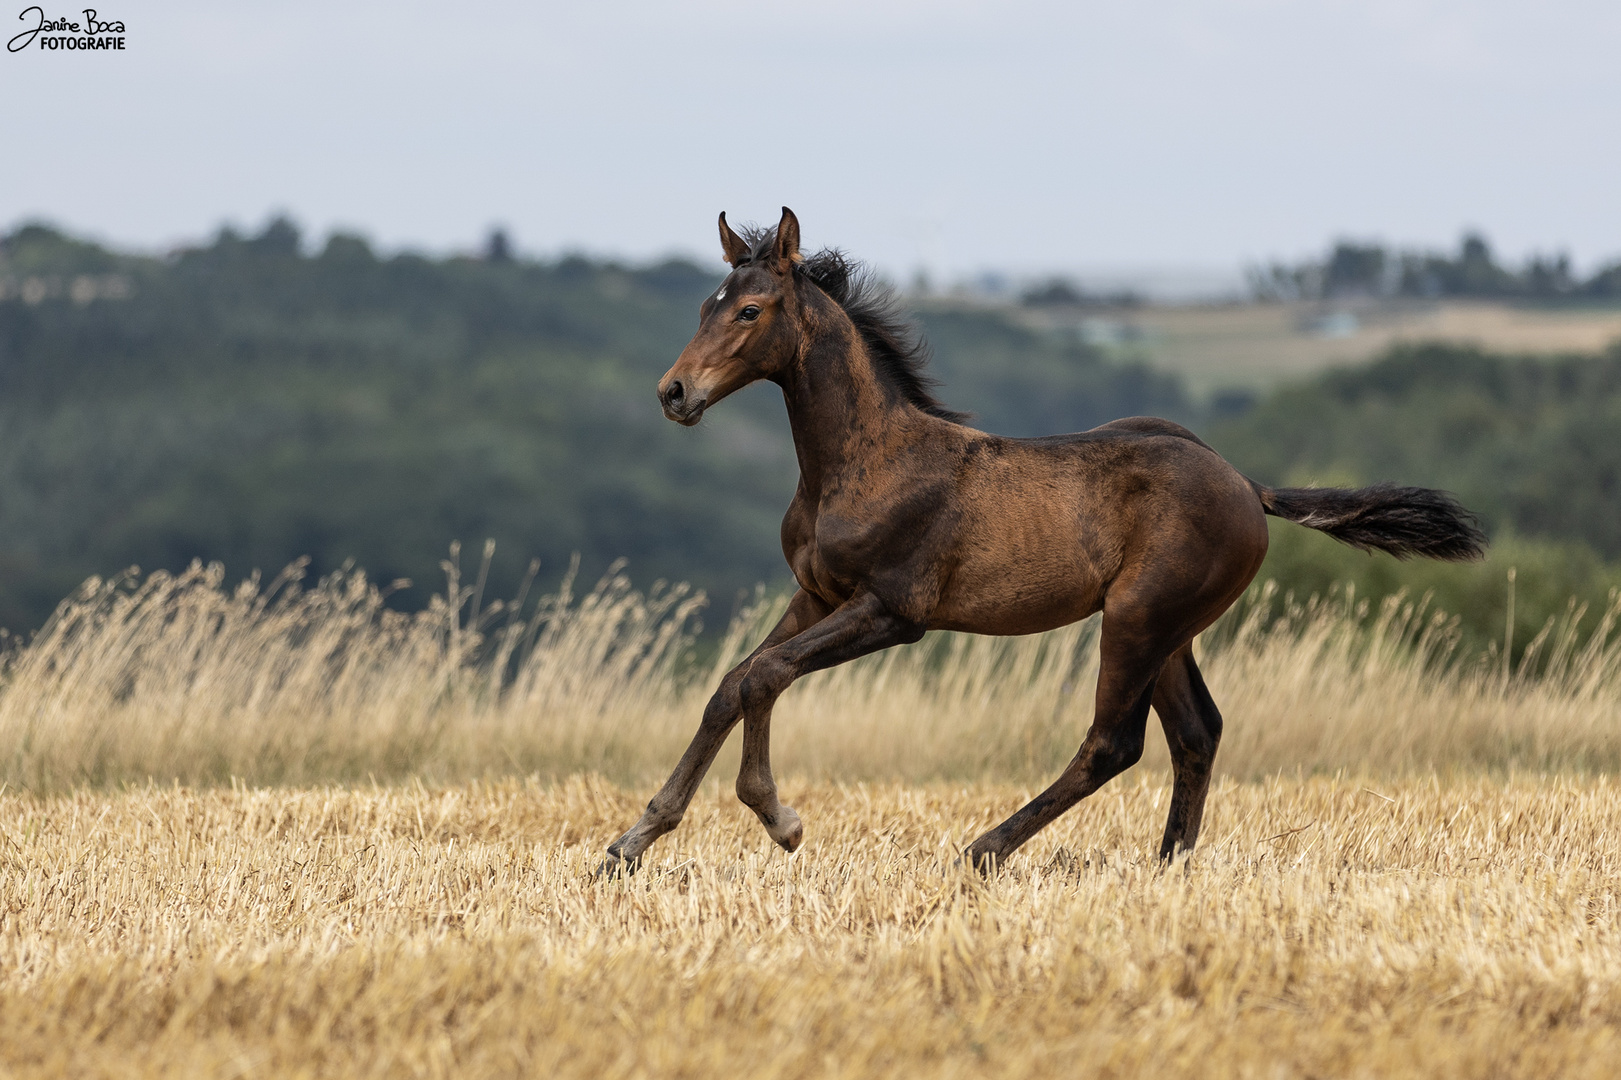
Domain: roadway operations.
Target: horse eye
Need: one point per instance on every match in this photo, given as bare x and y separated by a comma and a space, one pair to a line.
749, 313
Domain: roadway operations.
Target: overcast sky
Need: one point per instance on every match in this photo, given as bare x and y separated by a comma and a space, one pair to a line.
956, 136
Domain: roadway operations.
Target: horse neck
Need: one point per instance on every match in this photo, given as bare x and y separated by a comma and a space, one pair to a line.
838, 407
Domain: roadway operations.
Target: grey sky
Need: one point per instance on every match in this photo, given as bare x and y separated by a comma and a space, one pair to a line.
1023, 136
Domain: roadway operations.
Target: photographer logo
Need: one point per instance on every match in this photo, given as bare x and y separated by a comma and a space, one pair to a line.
65, 34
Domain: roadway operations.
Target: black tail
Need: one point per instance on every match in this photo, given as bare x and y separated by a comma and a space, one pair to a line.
1401, 520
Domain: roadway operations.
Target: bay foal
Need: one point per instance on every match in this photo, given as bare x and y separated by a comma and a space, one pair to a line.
906, 520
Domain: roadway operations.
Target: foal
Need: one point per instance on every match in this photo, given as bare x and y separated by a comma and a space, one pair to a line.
907, 521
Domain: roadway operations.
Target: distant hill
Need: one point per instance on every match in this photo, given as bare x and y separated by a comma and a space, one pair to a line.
248, 402
1532, 444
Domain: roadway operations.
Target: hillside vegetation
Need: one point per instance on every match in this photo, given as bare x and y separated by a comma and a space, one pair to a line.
249, 403
1528, 443
252, 403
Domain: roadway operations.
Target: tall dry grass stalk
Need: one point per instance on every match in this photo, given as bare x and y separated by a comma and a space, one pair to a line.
181, 677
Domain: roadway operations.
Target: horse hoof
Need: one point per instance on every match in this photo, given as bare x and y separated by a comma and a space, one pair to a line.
614, 867
985, 862
789, 832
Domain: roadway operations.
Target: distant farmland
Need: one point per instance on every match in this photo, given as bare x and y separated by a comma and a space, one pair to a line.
1255, 346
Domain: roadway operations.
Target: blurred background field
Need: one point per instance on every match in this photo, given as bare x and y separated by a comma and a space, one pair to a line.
260, 398
1240, 346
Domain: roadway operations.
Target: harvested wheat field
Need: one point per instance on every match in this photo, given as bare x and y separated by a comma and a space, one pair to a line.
284, 831
1328, 928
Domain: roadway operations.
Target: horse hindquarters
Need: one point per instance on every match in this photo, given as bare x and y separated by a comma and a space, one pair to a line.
1174, 587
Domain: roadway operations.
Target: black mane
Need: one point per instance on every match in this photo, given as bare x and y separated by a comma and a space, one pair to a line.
898, 351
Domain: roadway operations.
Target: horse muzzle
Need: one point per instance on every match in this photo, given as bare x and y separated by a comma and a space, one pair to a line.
681, 404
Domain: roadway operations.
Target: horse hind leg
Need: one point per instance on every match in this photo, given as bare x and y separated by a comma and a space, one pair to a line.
1192, 726
1130, 664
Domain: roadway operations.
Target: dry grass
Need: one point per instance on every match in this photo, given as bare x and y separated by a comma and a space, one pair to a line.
182, 678
1328, 927
1433, 903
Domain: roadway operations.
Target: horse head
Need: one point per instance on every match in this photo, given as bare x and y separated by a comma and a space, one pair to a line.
747, 330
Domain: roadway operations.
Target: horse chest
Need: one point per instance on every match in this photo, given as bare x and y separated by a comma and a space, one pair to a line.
834, 554
819, 567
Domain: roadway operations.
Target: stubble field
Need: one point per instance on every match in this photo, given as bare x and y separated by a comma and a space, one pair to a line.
1327, 929
246, 836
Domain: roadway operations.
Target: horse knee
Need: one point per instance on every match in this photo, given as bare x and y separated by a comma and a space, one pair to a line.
1116, 752
765, 681
725, 706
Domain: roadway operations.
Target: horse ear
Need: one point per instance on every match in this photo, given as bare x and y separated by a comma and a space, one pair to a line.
737, 252
787, 250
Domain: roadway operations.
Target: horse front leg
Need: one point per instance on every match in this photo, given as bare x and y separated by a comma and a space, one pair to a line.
665, 810
859, 626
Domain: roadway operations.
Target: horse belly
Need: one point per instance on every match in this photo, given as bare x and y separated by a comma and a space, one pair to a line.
1026, 594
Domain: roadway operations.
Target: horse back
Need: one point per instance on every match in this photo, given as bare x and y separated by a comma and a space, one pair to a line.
1053, 523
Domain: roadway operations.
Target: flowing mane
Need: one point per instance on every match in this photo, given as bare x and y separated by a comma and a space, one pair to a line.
897, 348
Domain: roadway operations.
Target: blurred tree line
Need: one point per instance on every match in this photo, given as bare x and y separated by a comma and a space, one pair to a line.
1354, 270
1531, 444
252, 402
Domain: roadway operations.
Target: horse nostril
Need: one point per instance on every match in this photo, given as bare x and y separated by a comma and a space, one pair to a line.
675, 394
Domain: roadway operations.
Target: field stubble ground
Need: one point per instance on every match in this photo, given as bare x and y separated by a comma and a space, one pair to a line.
1327, 927
1410, 867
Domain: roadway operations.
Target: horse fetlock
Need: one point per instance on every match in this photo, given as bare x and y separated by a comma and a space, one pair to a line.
758, 793
658, 820
636, 840
1171, 853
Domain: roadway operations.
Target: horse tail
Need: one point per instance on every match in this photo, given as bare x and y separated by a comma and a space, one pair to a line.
1403, 521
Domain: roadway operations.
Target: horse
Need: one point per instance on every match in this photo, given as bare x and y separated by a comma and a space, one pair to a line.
907, 520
